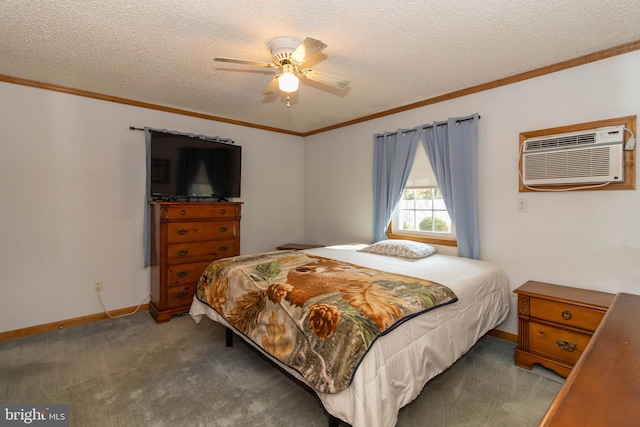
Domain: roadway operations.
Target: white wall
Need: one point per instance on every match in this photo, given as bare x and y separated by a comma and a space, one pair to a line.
582, 239
72, 179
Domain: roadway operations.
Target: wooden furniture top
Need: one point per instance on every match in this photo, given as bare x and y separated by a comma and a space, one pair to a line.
603, 389
574, 296
296, 246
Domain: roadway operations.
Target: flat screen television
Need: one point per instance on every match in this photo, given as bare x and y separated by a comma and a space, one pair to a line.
184, 168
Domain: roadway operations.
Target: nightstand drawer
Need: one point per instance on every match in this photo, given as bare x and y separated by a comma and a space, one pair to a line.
557, 343
565, 314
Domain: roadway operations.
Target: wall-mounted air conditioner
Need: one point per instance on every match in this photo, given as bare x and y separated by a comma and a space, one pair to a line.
583, 157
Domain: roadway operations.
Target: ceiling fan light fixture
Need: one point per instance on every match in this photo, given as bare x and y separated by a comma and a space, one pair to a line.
288, 54
288, 82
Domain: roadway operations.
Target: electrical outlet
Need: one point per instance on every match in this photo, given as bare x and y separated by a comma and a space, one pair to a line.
98, 286
522, 205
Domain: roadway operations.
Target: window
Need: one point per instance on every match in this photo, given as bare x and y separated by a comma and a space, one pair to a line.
421, 213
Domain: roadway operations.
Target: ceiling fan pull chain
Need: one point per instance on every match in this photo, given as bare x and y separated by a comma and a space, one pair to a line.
288, 103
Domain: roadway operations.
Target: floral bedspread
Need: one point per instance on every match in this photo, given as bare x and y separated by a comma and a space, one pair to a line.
316, 315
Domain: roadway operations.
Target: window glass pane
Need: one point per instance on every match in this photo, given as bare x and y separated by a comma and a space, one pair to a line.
422, 210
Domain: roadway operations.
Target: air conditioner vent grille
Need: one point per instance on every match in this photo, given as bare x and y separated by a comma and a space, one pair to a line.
595, 164
560, 141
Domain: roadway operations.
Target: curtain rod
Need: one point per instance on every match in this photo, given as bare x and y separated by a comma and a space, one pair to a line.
204, 137
426, 126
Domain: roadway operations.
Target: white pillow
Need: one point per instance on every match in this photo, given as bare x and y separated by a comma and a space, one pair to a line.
402, 248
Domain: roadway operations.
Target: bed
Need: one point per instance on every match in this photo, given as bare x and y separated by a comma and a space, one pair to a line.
399, 362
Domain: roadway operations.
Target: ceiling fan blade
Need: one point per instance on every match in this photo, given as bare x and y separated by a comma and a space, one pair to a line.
323, 78
308, 47
272, 87
245, 62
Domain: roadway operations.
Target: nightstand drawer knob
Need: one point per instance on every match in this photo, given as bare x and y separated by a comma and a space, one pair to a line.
183, 294
224, 229
566, 315
183, 252
183, 273
566, 346
183, 231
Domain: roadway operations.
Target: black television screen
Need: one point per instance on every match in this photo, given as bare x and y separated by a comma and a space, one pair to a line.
183, 167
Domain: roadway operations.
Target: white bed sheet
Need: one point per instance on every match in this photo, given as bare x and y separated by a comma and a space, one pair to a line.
400, 363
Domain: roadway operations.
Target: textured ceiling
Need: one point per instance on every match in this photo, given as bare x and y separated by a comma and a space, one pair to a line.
394, 53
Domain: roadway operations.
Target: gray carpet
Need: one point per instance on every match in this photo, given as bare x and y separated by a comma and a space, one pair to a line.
132, 372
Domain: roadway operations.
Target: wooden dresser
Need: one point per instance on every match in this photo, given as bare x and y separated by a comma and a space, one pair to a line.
555, 324
604, 387
185, 238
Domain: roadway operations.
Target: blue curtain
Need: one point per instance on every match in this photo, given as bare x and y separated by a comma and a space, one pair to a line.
393, 154
452, 148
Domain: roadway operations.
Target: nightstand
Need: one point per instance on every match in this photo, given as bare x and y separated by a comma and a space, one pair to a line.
297, 247
555, 324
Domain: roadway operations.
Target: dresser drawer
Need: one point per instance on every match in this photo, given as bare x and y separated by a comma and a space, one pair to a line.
180, 296
556, 342
182, 253
190, 211
191, 231
182, 274
565, 314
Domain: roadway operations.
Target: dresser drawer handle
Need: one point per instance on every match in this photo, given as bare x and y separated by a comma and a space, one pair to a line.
183, 231
223, 248
183, 273
223, 211
183, 212
183, 252
224, 229
566, 315
183, 294
566, 346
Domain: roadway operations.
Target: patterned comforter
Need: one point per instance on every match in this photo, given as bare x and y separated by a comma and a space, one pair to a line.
317, 315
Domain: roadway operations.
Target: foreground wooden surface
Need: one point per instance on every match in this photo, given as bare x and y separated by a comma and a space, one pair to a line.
603, 388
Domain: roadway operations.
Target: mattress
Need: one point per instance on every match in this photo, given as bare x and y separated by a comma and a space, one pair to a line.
401, 362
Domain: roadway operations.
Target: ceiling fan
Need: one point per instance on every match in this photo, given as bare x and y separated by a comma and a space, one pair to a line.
288, 54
